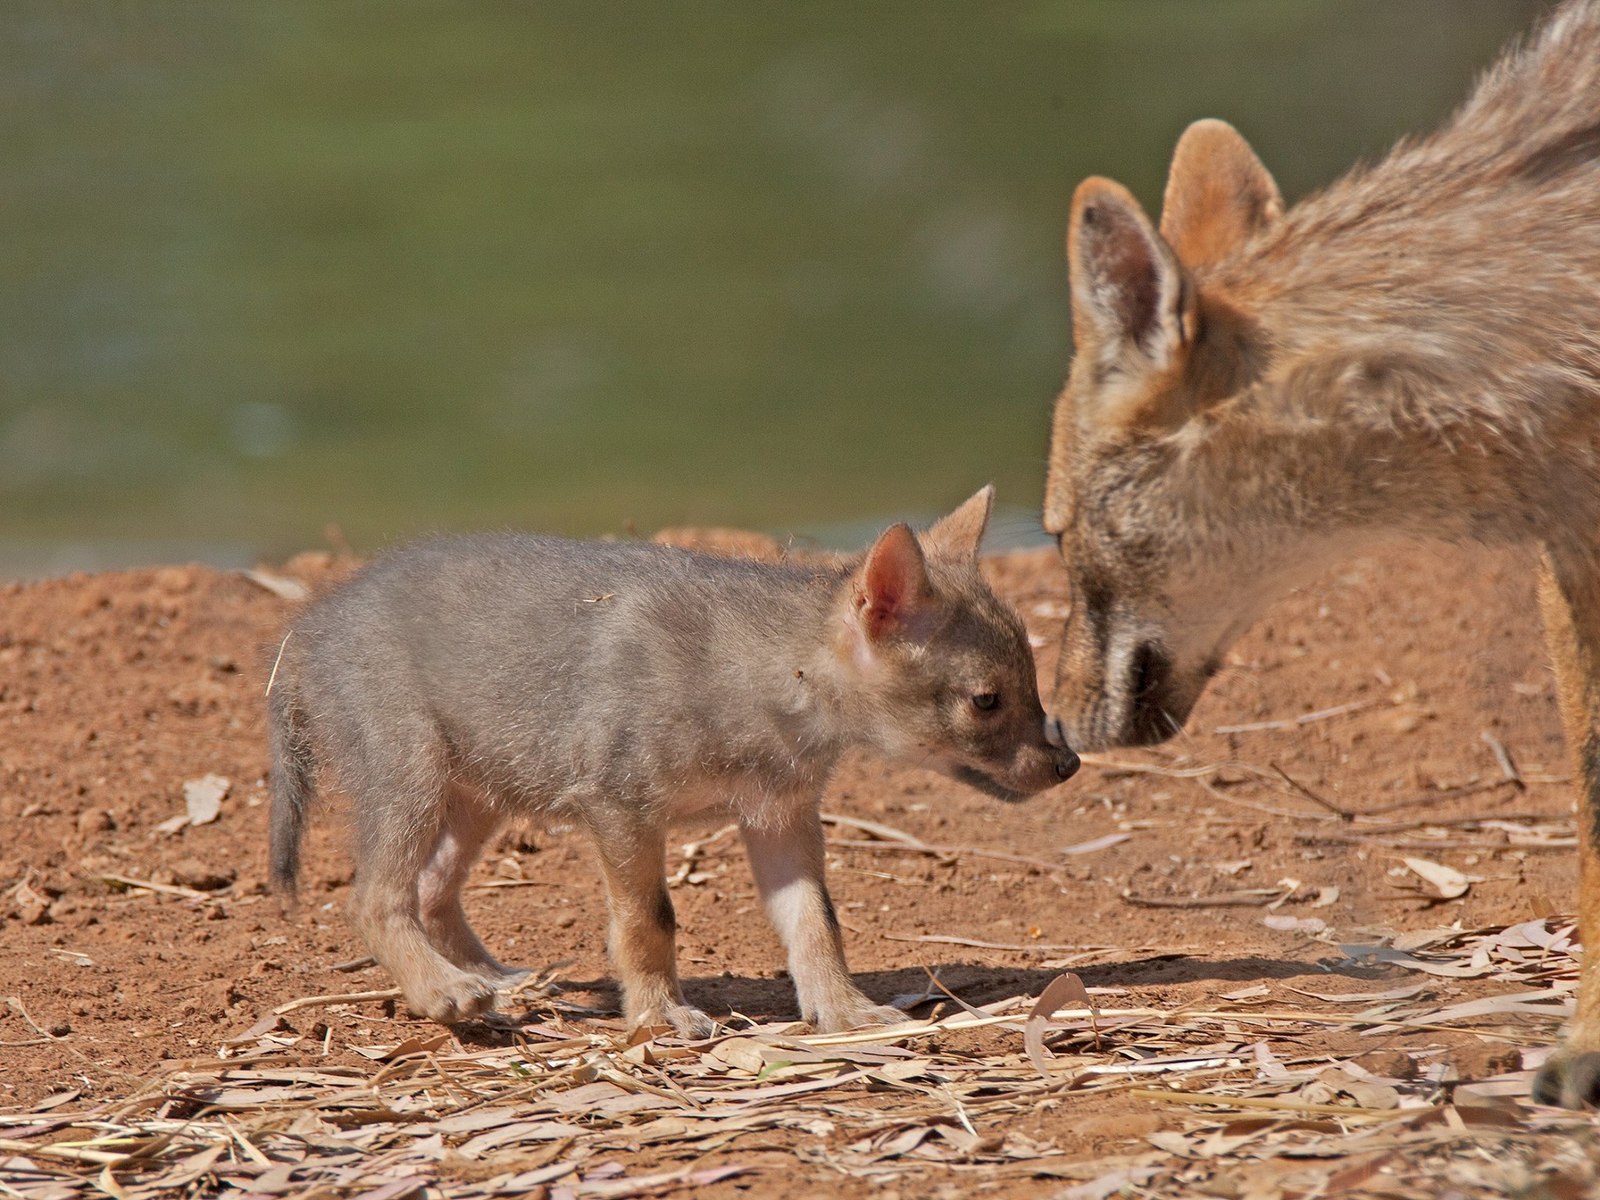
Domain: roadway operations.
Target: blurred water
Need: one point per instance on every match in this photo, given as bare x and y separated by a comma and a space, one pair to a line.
273, 267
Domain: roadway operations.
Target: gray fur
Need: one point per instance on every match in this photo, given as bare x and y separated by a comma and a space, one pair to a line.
620, 686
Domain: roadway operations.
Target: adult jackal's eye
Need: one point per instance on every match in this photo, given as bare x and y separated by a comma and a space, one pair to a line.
986, 701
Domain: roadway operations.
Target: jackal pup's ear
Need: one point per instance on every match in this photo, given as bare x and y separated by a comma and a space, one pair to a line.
1133, 308
1218, 194
961, 532
891, 595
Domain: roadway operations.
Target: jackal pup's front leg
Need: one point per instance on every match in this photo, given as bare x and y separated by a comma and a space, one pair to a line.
787, 859
644, 928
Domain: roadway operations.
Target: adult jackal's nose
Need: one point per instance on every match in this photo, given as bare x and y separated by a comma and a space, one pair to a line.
1066, 762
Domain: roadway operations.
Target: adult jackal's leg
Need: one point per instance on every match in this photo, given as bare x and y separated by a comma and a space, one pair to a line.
1569, 595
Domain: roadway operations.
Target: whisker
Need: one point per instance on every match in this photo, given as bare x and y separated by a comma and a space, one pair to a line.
1176, 727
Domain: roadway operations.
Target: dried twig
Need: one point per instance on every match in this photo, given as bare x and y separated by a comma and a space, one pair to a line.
1343, 814
16, 1006
946, 940
946, 852
876, 828
1208, 1100
1502, 758
276, 662
69, 1153
1466, 789
343, 998
1338, 710
1251, 899
166, 889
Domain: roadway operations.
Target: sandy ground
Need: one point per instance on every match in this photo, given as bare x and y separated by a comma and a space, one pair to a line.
1385, 689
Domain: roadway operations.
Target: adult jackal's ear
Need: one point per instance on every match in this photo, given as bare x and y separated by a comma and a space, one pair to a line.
1218, 194
960, 533
1132, 306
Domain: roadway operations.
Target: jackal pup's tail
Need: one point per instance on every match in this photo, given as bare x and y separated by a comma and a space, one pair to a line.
293, 768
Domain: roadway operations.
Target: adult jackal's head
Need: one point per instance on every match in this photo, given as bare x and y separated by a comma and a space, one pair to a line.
1161, 580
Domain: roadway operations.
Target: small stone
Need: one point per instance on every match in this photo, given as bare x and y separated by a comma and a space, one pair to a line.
95, 820
221, 994
192, 873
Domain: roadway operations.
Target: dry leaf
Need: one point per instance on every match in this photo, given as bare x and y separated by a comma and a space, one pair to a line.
278, 585
1247, 993
1449, 881
1058, 993
1112, 1183
1411, 962
203, 798
1399, 993
421, 1044
1099, 843
1327, 1087
575, 1110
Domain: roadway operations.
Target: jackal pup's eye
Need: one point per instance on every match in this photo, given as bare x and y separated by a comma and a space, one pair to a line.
986, 701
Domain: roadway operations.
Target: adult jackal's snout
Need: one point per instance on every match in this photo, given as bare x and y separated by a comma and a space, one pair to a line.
1152, 350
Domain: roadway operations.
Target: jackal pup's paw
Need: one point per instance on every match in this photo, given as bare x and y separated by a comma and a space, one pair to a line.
458, 996
1569, 1080
685, 1020
858, 1016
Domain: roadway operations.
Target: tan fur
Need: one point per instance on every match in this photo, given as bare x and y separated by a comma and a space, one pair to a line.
1218, 194
1255, 393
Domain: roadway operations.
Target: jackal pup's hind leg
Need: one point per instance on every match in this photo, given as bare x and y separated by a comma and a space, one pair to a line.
469, 820
407, 847
1569, 598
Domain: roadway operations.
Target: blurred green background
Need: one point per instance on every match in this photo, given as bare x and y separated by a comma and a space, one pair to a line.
597, 267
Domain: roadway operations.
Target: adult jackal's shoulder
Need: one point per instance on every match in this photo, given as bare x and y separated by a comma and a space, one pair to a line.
1470, 258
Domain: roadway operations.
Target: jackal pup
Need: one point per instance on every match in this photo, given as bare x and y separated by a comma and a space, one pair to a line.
620, 686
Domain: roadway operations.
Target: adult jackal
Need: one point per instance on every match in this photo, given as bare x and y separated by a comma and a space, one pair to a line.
1255, 393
